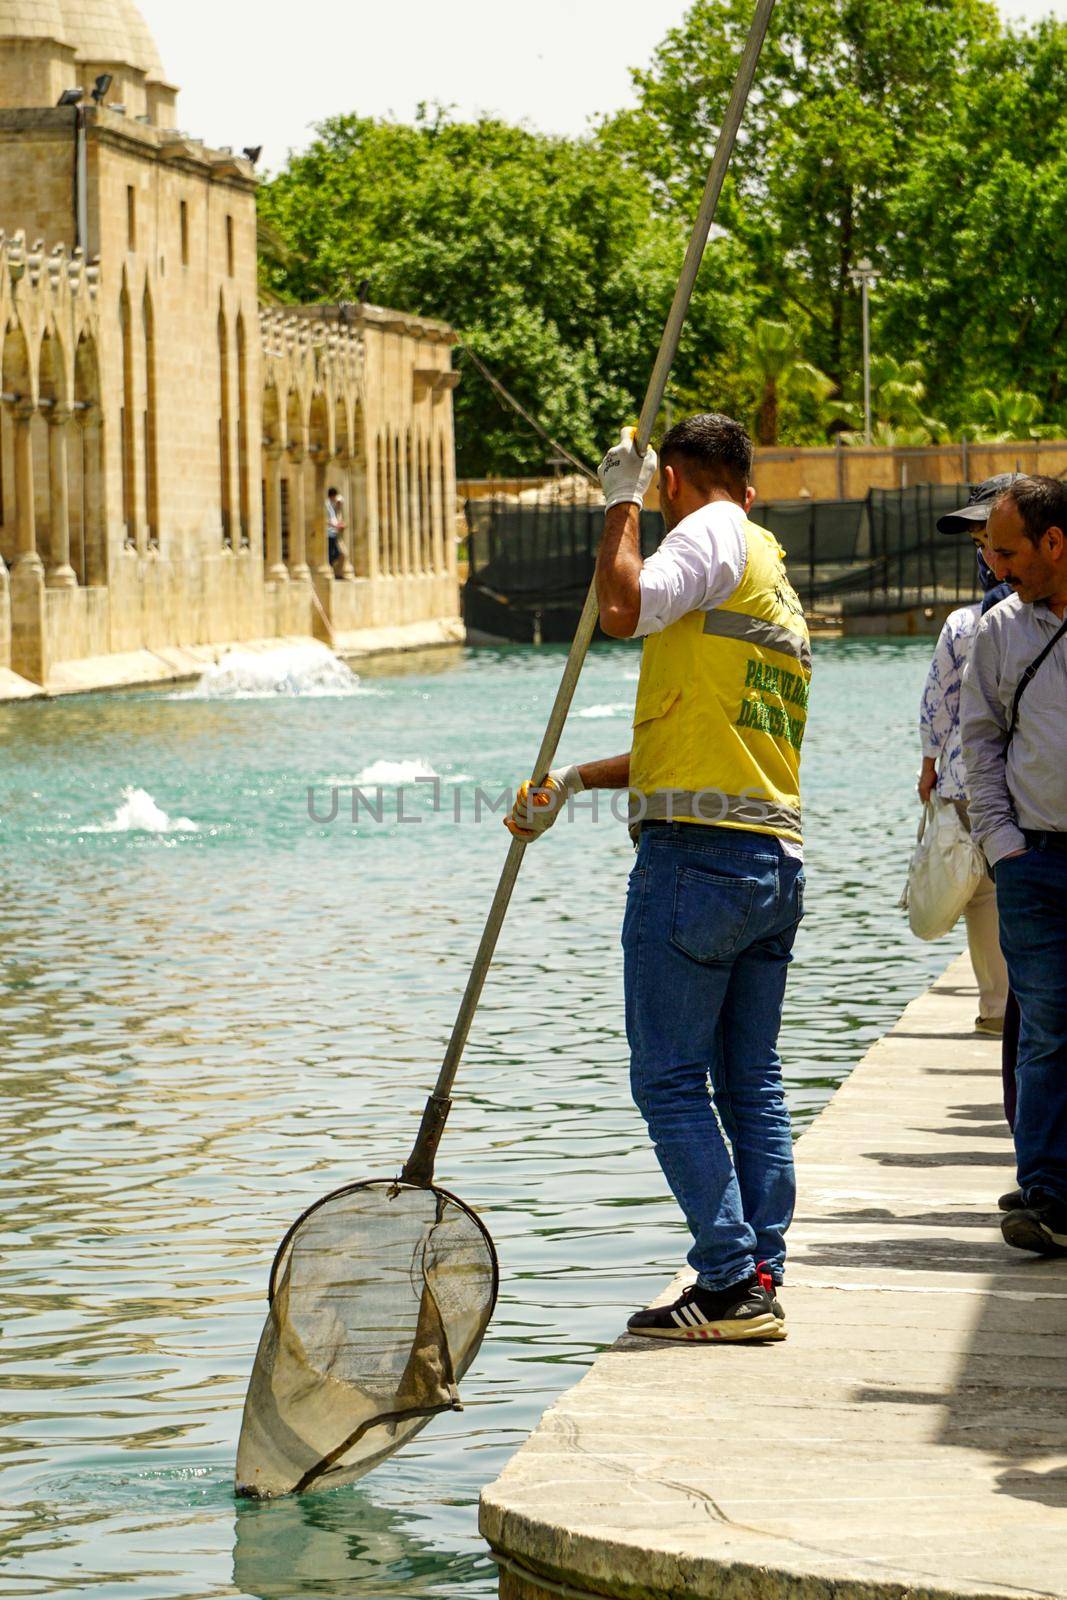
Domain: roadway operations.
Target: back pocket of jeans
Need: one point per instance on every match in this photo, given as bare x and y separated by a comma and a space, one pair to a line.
711, 913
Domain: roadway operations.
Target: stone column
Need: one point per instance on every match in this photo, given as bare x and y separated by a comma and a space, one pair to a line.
276, 568
29, 647
26, 514
298, 567
61, 574
440, 564
406, 528
94, 517
320, 548
370, 511
353, 515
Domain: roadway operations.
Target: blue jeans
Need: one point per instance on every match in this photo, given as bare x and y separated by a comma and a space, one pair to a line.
1032, 901
710, 921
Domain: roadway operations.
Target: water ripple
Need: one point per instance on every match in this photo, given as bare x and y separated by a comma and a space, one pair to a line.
201, 1032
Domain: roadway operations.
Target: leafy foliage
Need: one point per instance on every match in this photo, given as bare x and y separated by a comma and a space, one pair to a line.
921, 134
546, 253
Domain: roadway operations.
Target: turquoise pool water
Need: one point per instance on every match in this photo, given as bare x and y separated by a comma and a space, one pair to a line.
214, 1009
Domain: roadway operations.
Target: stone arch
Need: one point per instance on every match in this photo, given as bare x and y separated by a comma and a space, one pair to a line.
414, 501
150, 421
51, 392
399, 520
445, 520
226, 451
18, 389
244, 452
380, 474
294, 494
272, 416
18, 379
88, 522
358, 491
128, 421
320, 455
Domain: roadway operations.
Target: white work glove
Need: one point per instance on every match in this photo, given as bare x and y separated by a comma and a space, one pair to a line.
624, 475
535, 810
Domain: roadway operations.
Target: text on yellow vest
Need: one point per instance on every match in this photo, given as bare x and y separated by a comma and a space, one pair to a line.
722, 707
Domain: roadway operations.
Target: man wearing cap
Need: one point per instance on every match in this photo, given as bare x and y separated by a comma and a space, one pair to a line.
942, 750
1014, 722
972, 519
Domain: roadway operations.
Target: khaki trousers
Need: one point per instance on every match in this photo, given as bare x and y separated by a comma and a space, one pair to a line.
983, 940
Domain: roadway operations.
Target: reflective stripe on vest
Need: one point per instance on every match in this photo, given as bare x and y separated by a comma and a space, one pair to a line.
737, 625
714, 807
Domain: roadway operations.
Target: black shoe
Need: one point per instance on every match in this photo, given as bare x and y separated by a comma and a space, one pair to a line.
1014, 1200
742, 1311
1040, 1226
771, 1289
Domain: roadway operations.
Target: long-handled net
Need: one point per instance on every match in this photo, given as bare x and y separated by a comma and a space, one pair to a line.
381, 1293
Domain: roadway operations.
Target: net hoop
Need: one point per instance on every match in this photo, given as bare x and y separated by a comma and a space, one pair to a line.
396, 1185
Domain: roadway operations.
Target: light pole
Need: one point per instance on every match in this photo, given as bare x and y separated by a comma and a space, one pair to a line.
863, 275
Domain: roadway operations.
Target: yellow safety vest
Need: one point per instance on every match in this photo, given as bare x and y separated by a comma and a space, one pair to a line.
722, 707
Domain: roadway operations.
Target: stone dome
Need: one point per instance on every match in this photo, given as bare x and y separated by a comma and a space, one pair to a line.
146, 54
32, 19
108, 31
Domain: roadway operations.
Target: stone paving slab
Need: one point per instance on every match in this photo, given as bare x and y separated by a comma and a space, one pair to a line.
909, 1438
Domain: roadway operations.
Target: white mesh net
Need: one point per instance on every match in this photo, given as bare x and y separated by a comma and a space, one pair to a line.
381, 1296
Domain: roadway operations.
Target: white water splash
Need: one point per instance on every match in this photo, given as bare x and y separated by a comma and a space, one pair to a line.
310, 670
139, 813
391, 772
593, 713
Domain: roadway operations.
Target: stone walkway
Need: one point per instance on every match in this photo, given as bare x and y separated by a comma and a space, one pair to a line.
908, 1439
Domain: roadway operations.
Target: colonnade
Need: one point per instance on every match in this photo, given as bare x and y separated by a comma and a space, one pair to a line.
412, 480
296, 478
51, 488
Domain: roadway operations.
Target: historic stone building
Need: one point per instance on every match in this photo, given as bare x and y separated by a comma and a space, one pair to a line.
165, 443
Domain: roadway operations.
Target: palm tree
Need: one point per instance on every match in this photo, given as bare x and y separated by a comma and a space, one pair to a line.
780, 371
1006, 414
898, 390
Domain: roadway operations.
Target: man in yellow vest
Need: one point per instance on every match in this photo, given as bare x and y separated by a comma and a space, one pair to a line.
716, 895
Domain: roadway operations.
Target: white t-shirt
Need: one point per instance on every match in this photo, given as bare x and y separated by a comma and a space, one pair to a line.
698, 566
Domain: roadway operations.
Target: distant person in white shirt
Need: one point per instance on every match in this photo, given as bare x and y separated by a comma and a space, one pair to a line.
716, 896
337, 554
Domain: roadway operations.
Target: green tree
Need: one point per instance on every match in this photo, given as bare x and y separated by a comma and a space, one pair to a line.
898, 391
846, 88
780, 370
546, 254
1001, 414
979, 281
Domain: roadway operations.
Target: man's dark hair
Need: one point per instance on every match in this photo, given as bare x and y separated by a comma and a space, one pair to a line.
1041, 504
330, 492
713, 451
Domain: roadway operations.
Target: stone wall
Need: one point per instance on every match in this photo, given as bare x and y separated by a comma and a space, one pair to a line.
165, 447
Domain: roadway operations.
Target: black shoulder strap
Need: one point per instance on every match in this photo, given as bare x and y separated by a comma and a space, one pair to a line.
1030, 674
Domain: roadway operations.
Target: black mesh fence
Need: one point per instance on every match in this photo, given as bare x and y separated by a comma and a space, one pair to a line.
531, 564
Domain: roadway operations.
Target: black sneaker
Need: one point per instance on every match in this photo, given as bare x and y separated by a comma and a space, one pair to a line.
771, 1289
1040, 1226
1014, 1200
743, 1311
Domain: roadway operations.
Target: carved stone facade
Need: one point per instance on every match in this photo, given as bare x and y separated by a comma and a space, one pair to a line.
166, 445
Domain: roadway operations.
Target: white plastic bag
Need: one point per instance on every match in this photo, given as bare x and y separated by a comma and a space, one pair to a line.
946, 868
